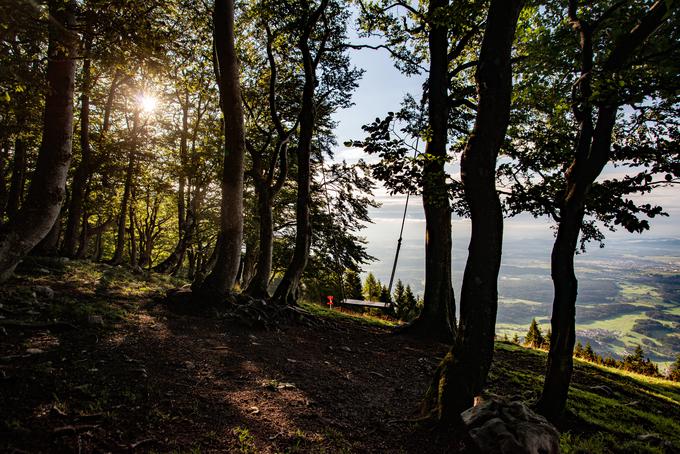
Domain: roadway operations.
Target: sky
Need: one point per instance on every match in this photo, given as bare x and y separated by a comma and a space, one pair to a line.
381, 90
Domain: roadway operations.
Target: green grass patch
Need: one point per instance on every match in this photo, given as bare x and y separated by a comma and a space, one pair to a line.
364, 319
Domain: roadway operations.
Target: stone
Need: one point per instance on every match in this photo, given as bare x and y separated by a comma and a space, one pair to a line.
499, 426
43, 292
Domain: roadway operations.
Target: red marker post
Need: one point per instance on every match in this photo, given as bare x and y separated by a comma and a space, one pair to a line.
330, 301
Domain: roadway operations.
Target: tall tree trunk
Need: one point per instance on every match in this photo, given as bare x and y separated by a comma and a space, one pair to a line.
437, 319
462, 373
46, 194
4, 160
287, 291
257, 287
127, 189
591, 154
49, 246
82, 173
16, 186
222, 278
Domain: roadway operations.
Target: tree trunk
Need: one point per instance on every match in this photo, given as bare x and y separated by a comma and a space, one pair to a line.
49, 246
287, 290
463, 372
437, 319
82, 173
132, 159
16, 186
4, 159
563, 329
591, 154
46, 194
258, 285
222, 278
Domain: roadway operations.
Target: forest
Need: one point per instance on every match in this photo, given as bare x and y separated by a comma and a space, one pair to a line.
181, 243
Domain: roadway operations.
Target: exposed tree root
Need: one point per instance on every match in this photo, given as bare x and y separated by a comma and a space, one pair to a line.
242, 309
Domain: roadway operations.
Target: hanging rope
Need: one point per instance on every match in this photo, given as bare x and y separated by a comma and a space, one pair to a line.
401, 232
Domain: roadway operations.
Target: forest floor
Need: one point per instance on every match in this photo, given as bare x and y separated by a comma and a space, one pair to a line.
103, 366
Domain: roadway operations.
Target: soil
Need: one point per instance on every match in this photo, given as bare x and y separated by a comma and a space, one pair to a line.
160, 381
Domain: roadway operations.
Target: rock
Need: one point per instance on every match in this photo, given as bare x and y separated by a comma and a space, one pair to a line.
654, 439
43, 292
499, 426
95, 320
34, 351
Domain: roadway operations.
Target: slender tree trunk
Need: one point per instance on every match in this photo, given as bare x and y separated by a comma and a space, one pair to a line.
287, 290
82, 173
46, 194
257, 287
462, 373
129, 173
591, 154
222, 278
16, 186
437, 319
4, 159
133, 241
84, 235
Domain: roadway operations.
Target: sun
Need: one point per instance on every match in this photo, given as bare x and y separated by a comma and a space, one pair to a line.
147, 102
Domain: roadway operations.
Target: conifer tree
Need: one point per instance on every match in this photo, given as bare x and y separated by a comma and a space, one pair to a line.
534, 337
578, 350
588, 353
674, 370
353, 285
385, 296
372, 288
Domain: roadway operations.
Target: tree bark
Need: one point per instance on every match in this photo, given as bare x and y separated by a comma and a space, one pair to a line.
82, 173
437, 319
46, 194
49, 245
4, 158
222, 278
591, 154
287, 291
16, 186
267, 189
462, 374
117, 258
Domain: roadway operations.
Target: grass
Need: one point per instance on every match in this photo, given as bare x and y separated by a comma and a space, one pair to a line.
609, 410
339, 314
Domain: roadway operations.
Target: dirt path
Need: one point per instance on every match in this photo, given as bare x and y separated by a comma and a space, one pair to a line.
159, 381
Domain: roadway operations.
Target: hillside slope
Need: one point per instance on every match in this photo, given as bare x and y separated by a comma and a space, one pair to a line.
102, 365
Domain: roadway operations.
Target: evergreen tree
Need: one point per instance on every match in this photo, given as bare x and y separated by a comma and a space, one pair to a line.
372, 288
353, 285
578, 350
398, 296
534, 337
588, 353
636, 362
546, 340
515, 339
674, 370
385, 296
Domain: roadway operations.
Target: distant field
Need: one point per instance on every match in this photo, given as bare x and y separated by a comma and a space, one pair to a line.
625, 299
